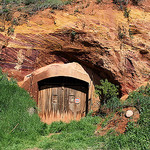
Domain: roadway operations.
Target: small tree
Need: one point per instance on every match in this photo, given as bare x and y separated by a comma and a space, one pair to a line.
108, 93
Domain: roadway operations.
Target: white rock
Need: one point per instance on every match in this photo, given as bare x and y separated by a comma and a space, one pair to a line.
31, 111
129, 113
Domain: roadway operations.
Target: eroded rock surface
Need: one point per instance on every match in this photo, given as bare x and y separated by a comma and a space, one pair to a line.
97, 36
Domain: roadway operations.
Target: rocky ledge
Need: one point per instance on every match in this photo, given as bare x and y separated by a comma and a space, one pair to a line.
98, 36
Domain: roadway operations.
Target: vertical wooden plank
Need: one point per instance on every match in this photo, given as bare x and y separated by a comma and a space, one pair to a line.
59, 90
75, 106
84, 102
79, 105
71, 99
46, 100
71, 96
61, 107
49, 100
39, 102
43, 101
83, 107
66, 100
60, 104
54, 100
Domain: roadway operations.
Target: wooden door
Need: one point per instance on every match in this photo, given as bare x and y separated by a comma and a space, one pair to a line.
63, 103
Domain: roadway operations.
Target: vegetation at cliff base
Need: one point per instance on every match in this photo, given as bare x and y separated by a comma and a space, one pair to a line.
21, 130
108, 94
17, 126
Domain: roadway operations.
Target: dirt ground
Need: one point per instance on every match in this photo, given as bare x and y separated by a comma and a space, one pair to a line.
118, 122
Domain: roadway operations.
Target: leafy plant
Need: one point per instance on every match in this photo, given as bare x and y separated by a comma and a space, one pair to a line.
126, 13
140, 98
10, 30
113, 104
131, 33
15, 22
121, 33
121, 3
73, 34
106, 91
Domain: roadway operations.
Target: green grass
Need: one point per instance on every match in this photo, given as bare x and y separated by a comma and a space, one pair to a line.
106, 120
74, 135
19, 130
14, 105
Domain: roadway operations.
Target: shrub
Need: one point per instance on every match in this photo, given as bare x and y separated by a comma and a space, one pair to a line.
72, 35
108, 93
126, 13
15, 22
121, 3
121, 33
139, 98
113, 104
10, 30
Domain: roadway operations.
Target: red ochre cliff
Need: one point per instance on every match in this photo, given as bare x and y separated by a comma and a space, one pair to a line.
98, 36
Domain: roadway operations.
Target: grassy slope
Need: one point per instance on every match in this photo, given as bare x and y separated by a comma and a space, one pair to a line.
14, 103
30, 132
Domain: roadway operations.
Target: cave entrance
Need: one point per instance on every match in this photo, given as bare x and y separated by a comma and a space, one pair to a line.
62, 99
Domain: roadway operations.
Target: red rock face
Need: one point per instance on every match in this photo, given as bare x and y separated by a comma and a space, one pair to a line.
91, 38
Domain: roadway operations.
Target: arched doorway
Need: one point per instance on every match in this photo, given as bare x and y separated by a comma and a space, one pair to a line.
62, 91
62, 98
